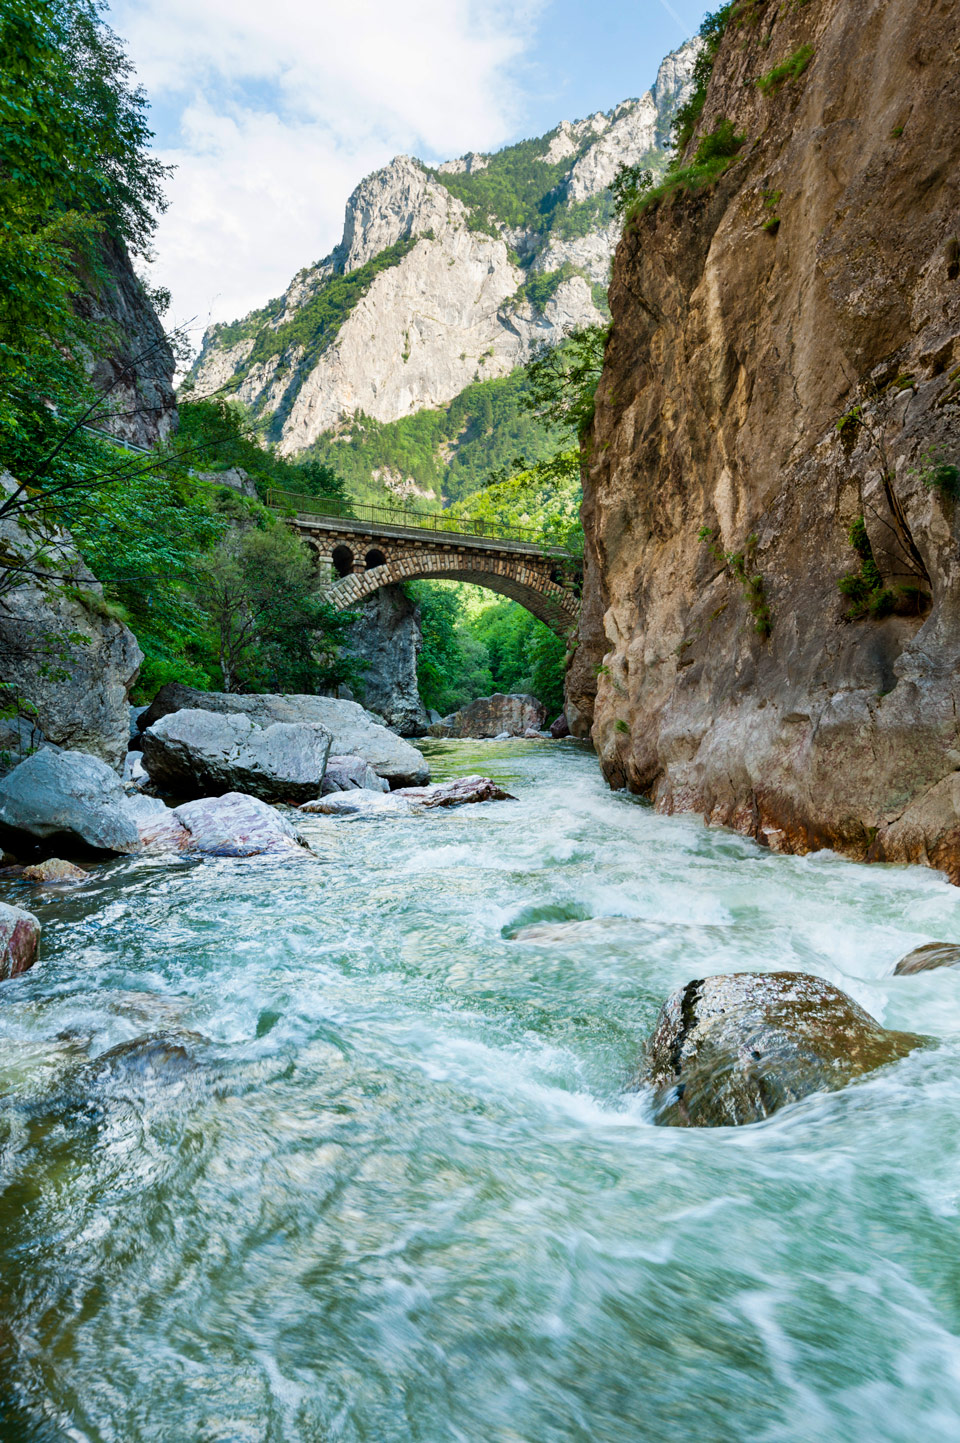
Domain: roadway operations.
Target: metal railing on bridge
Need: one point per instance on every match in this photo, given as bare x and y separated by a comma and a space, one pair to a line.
331, 508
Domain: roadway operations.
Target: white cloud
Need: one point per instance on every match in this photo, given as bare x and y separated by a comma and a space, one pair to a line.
284, 106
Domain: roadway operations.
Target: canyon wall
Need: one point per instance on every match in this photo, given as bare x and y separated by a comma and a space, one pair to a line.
784, 360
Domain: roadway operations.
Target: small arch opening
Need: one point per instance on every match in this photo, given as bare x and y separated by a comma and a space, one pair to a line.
373, 558
342, 559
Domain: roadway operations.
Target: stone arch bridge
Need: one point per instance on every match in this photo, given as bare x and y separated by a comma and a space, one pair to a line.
377, 546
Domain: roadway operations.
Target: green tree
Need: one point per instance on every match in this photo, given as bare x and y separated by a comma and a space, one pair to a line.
75, 169
273, 629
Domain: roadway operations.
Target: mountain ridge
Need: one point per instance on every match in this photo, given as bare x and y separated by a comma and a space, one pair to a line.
444, 277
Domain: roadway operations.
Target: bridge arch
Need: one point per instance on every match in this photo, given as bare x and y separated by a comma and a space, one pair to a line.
522, 578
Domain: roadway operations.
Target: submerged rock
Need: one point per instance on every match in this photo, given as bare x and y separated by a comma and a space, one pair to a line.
19, 940
195, 752
346, 774
68, 795
733, 1049
353, 731
927, 957
54, 872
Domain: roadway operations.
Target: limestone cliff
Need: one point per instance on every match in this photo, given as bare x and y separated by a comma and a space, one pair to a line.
785, 359
432, 285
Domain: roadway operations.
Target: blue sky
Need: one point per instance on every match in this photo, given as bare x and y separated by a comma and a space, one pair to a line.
273, 112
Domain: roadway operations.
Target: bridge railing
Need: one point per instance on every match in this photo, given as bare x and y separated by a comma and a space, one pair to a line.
332, 508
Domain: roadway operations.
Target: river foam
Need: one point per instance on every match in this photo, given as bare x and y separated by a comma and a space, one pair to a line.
386, 1178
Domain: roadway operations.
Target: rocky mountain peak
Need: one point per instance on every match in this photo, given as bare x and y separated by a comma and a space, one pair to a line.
445, 277
399, 201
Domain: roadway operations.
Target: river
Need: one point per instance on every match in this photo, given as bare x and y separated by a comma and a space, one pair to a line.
387, 1179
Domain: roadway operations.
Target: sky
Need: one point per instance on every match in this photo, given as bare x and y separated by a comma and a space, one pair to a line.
273, 112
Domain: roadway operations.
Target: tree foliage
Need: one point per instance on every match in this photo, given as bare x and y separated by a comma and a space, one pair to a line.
273, 629
75, 166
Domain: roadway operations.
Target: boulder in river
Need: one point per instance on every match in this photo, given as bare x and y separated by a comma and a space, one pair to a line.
353, 731
19, 940
54, 873
559, 728
927, 957
71, 796
194, 752
454, 793
457, 792
236, 825
498, 715
347, 774
733, 1049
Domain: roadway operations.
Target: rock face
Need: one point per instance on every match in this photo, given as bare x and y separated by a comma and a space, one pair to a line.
451, 308
732, 1050
19, 940
386, 636
70, 796
352, 730
496, 716
135, 365
926, 958
62, 652
784, 358
193, 753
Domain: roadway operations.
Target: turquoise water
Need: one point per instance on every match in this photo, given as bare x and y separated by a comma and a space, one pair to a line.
386, 1178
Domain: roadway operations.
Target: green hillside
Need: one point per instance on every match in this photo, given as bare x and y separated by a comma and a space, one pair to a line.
450, 452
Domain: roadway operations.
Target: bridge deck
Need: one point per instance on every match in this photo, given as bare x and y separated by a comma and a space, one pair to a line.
438, 527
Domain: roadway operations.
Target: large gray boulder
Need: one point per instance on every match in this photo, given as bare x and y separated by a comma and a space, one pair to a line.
353, 731
733, 1049
19, 940
495, 716
70, 796
234, 825
194, 753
